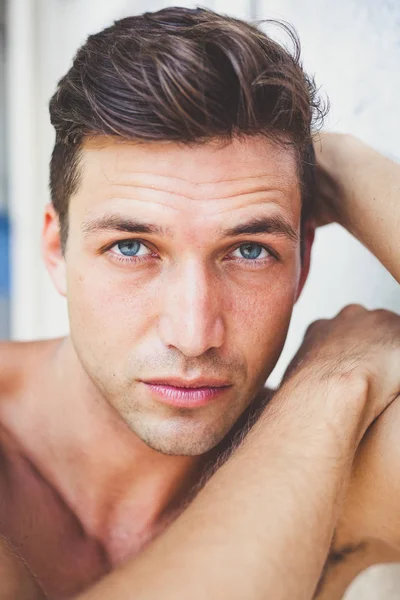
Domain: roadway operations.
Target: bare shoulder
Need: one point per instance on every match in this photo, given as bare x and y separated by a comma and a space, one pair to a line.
18, 362
376, 478
371, 510
368, 530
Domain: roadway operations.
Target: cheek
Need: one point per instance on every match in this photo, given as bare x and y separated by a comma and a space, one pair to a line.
120, 311
262, 319
101, 305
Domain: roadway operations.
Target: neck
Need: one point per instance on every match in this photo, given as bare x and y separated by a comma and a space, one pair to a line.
115, 484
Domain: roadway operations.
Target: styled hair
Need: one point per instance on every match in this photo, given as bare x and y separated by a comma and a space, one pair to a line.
184, 75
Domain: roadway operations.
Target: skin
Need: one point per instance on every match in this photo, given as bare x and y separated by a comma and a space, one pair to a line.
182, 306
328, 500
271, 534
193, 306
332, 430
18, 582
359, 189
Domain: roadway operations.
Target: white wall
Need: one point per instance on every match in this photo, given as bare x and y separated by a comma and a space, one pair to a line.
43, 37
352, 46
2, 111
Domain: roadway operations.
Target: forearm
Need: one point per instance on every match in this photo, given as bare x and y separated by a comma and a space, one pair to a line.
263, 524
365, 195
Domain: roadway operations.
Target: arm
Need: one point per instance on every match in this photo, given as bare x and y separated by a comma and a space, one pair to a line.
368, 531
263, 524
360, 189
376, 485
264, 521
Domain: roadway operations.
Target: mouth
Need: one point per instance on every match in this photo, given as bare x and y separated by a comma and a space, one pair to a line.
187, 393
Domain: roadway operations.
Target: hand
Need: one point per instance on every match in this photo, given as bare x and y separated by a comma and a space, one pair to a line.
358, 347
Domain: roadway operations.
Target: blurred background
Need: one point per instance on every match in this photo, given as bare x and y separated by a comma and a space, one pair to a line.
351, 46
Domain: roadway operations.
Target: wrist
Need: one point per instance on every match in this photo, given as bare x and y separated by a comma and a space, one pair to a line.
324, 405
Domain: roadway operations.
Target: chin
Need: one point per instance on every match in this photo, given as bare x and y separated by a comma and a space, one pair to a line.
181, 446
179, 438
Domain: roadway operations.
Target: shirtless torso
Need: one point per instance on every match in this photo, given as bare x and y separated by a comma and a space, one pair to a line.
34, 518
37, 520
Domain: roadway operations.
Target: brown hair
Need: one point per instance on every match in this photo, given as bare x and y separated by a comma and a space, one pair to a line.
185, 75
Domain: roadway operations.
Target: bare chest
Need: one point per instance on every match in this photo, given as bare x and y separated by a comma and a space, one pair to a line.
49, 537
46, 533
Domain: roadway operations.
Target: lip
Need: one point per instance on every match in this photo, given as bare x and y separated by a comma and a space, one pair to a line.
188, 383
186, 394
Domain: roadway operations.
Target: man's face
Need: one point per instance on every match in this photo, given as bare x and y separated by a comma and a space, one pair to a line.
161, 286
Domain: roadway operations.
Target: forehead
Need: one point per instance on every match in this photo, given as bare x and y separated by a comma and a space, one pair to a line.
238, 171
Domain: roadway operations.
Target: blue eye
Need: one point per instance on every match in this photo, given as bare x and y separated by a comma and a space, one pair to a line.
129, 247
251, 251
130, 251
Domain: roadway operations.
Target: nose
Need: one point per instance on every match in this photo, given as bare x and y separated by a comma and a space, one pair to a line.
191, 318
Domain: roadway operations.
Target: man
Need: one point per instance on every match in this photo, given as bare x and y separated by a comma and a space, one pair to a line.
180, 232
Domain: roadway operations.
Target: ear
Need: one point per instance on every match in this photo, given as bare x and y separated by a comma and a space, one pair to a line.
51, 249
308, 240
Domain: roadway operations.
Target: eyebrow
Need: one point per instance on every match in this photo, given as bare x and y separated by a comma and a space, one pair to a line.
256, 226
126, 224
263, 225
